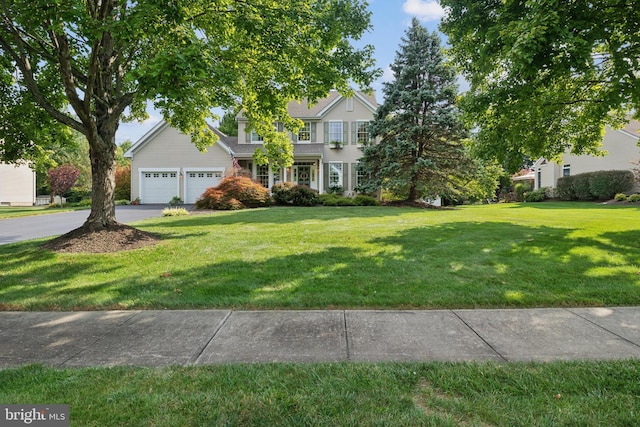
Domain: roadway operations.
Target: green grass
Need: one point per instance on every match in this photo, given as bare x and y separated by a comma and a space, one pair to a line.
345, 394
16, 211
507, 255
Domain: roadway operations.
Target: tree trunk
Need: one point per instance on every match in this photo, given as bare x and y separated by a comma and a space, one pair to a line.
102, 152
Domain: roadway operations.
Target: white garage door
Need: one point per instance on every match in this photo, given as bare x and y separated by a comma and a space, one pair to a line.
198, 182
159, 187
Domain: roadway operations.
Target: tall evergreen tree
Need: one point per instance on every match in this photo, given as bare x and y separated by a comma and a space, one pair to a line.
420, 153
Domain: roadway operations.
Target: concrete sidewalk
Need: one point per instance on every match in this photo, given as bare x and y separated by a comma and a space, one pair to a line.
200, 337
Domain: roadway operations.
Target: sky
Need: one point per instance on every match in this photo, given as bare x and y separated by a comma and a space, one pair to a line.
390, 20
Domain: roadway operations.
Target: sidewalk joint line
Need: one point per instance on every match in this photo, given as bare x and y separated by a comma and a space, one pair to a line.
603, 328
479, 336
346, 334
198, 353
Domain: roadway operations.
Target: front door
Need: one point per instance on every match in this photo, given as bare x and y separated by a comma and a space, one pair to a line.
304, 175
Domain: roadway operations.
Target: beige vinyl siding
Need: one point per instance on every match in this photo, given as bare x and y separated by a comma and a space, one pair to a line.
171, 149
17, 185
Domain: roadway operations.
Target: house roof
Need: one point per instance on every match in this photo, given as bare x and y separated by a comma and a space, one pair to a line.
299, 150
632, 128
223, 140
303, 110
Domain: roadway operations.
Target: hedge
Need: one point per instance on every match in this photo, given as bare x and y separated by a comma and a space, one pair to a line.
600, 185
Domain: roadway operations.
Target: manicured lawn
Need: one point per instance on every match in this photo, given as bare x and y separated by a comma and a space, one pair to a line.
507, 255
14, 212
346, 394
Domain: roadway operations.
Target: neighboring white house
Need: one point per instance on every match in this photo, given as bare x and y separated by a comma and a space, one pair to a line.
623, 153
165, 164
17, 185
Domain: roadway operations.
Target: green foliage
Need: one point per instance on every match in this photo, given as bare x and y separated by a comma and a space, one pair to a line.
601, 185
75, 65
235, 192
364, 200
420, 153
302, 195
174, 212
336, 189
544, 78
520, 189
620, 197
175, 201
634, 198
538, 195
229, 123
281, 192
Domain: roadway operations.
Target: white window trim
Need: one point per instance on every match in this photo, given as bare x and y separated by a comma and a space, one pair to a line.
341, 139
340, 174
366, 122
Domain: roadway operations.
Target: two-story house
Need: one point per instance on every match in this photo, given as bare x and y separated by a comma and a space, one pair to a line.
165, 164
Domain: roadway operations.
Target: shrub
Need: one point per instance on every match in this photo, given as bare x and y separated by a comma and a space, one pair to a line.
520, 189
248, 192
620, 197
535, 195
634, 198
362, 200
123, 183
601, 185
122, 202
235, 192
346, 201
174, 212
303, 196
338, 189
175, 201
328, 199
282, 192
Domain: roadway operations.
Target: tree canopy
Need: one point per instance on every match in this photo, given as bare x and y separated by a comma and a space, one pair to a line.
545, 75
420, 153
87, 65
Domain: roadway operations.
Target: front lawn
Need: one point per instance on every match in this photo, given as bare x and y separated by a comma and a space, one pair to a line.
344, 394
506, 255
17, 211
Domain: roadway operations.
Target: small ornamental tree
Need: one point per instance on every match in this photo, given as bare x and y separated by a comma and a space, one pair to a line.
421, 131
61, 179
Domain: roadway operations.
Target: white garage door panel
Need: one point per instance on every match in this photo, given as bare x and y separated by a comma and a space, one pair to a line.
198, 182
159, 187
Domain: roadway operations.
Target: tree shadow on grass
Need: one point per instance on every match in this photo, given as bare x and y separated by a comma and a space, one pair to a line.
451, 265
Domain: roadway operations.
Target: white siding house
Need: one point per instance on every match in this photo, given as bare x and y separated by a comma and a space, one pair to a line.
622, 153
17, 185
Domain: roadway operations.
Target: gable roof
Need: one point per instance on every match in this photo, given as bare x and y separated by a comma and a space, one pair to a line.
632, 128
223, 140
303, 110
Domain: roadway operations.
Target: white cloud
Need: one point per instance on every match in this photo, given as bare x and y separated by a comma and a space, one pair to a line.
424, 10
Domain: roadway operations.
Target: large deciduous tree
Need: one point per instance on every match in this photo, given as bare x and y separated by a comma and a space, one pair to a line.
545, 75
87, 65
420, 153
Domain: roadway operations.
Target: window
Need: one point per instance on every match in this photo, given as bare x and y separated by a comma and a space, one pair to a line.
304, 134
362, 132
255, 138
262, 175
566, 170
349, 104
335, 174
359, 174
335, 132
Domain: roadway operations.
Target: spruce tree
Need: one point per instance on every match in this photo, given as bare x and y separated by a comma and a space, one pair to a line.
420, 130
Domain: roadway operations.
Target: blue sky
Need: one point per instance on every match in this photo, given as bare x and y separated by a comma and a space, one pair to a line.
390, 19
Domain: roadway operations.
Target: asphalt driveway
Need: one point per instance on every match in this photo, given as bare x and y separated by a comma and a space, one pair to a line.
14, 230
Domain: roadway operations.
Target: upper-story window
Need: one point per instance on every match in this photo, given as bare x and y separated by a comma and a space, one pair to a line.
362, 132
304, 134
566, 170
255, 138
335, 132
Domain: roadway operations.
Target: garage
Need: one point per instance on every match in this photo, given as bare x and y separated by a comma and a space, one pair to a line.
159, 186
198, 181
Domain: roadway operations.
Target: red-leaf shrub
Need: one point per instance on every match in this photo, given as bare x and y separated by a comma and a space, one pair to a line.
236, 192
62, 178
